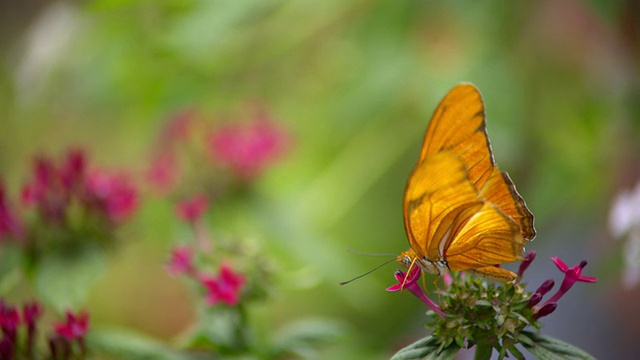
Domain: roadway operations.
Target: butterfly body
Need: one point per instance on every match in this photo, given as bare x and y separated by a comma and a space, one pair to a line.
460, 211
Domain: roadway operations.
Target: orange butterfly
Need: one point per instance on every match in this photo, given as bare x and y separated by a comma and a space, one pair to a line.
460, 211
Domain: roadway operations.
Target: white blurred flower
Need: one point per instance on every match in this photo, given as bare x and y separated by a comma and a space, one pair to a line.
624, 223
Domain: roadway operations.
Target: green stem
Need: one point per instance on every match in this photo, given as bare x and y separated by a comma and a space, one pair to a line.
242, 342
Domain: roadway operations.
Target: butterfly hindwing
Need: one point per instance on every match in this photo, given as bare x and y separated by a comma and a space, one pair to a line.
488, 237
501, 191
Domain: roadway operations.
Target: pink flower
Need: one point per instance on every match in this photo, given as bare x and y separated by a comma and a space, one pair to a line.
179, 126
31, 312
72, 172
524, 265
112, 194
225, 287
571, 276
75, 327
164, 173
181, 261
46, 191
542, 290
545, 310
10, 226
247, 149
9, 317
411, 283
447, 279
9, 321
191, 210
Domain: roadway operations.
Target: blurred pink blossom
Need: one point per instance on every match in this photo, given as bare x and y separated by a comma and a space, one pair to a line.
181, 261
55, 187
10, 225
247, 149
225, 287
178, 127
75, 327
164, 173
113, 194
191, 210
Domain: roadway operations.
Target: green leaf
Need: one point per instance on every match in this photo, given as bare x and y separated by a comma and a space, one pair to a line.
129, 344
426, 349
516, 353
63, 276
548, 348
304, 336
10, 259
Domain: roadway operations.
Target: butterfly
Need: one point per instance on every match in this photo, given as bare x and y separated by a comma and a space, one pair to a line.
460, 211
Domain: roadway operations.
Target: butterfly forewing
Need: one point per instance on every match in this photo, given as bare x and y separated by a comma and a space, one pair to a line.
438, 185
458, 125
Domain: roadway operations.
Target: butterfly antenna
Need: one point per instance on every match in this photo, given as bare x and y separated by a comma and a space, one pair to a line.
368, 272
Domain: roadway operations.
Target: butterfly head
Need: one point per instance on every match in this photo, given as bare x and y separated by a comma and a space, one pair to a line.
409, 258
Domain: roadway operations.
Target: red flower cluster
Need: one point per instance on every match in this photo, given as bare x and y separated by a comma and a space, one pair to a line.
245, 148
10, 225
571, 276
61, 344
248, 148
75, 326
191, 210
9, 321
111, 194
225, 287
181, 261
53, 189
164, 172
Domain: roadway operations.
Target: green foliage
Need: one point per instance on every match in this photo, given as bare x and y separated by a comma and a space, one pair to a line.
548, 348
428, 348
120, 343
304, 337
64, 276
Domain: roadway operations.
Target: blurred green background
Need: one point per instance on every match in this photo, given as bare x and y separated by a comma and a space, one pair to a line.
355, 83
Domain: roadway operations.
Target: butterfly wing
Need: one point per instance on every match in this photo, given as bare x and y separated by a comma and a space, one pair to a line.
438, 191
458, 125
501, 191
487, 237
458, 205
